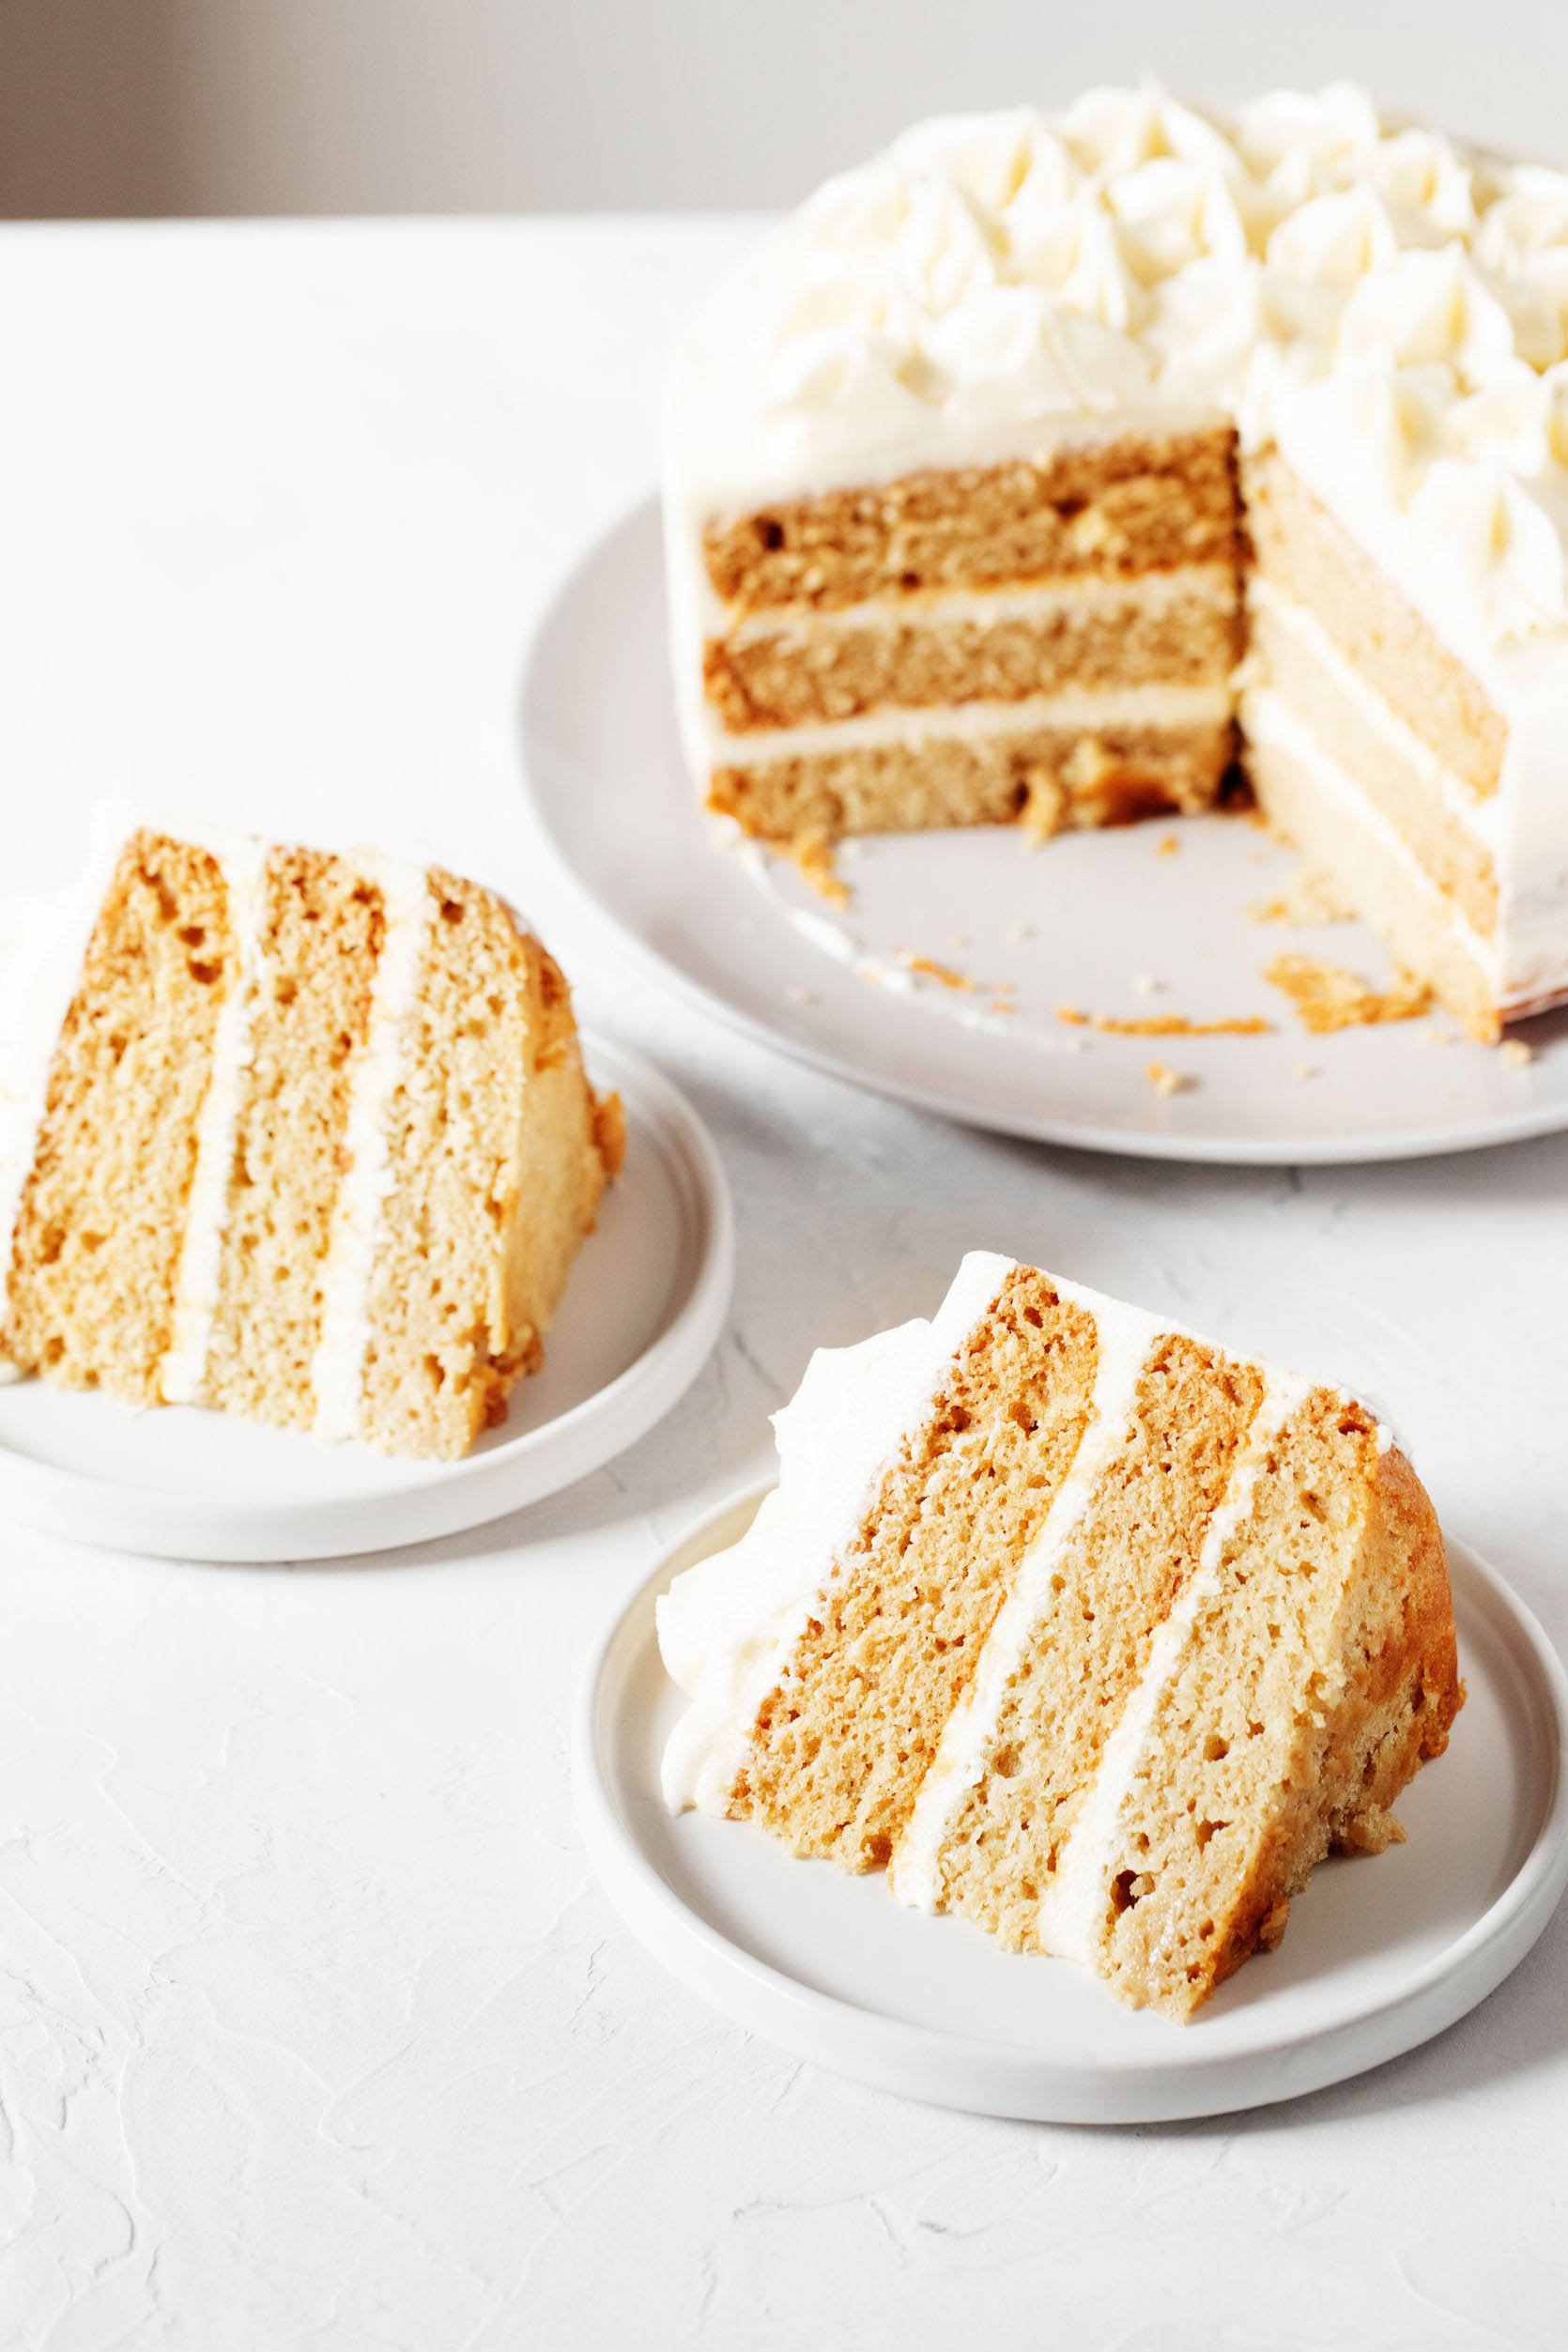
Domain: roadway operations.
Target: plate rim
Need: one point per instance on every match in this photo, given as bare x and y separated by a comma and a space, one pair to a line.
116, 1515
945, 2067
1372, 1148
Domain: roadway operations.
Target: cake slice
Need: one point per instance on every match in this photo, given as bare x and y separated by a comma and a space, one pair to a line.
302, 1136
1079, 1625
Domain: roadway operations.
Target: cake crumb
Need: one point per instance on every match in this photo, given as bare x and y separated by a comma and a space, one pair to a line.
1437, 1036
796, 995
1166, 1081
1327, 997
1165, 1024
1167, 845
1308, 1069
928, 968
1514, 1053
812, 854
1145, 984
958, 939
1018, 933
1043, 811
1308, 902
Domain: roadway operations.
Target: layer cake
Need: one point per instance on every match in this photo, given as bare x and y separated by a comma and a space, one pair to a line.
1065, 468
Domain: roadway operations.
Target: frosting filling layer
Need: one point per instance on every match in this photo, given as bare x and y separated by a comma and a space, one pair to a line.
1151, 592
1082, 711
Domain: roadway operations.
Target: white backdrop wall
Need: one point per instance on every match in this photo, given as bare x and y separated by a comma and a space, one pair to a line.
150, 106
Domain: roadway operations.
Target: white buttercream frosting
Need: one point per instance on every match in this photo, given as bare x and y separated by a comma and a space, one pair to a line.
728, 1626
991, 284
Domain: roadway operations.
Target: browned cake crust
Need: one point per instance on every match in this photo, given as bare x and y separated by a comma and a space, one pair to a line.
98, 1236
1143, 502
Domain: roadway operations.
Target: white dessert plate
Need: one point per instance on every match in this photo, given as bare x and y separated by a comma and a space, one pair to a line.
645, 1303
1101, 921
1379, 1955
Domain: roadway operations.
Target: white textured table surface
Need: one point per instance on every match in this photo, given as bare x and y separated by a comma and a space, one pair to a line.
314, 2028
